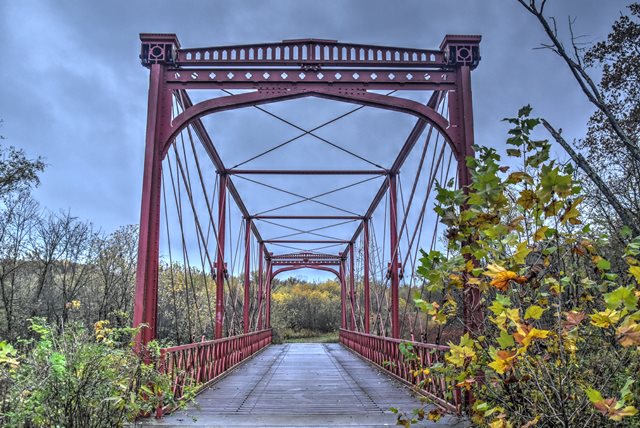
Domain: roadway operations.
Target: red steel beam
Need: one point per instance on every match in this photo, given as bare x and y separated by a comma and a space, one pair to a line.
307, 172
220, 277
247, 276
343, 294
146, 291
307, 217
260, 283
352, 287
393, 243
461, 112
305, 241
267, 315
367, 297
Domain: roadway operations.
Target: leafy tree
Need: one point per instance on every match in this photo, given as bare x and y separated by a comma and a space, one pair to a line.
612, 139
560, 345
17, 172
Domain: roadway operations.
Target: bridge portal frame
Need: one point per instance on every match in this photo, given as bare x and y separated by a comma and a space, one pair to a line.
282, 71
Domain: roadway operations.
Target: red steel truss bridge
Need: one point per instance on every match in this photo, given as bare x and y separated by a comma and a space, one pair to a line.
233, 215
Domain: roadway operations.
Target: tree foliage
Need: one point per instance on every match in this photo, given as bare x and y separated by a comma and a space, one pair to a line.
305, 309
560, 345
17, 172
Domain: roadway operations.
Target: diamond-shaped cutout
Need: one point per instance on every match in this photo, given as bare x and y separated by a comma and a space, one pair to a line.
320, 75
356, 76
265, 75
374, 76
302, 76
194, 75
409, 76
177, 75
427, 76
212, 75
248, 75
444, 77
338, 76
284, 75
230, 75
392, 76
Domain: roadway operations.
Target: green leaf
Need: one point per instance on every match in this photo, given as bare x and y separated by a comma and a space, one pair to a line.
525, 111
500, 303
594, 395
625, 392
505, 340
603, 264
521, 253
626, 232
622, 295
533, 311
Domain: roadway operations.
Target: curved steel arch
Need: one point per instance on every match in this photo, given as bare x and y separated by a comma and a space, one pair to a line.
386, 102
316, 267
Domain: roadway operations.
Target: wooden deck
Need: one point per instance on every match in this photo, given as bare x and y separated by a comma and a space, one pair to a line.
301, 385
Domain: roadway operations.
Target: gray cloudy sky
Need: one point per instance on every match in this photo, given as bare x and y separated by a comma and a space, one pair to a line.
74, 92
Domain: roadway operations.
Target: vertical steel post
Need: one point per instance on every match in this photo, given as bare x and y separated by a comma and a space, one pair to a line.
220, 269
352, 289
472, 306
343, 295
461, 117
268, 294
247, 276
146, 292
260, 284
393, 266
365, 278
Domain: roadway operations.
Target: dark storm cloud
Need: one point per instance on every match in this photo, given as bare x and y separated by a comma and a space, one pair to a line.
74, 92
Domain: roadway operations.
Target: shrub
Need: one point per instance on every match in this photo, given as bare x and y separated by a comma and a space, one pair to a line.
75, 379
560, 343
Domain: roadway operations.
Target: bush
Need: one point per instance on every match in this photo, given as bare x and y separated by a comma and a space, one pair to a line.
74, 379
560, 343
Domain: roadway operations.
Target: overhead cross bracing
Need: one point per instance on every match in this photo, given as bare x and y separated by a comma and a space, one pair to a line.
269, 158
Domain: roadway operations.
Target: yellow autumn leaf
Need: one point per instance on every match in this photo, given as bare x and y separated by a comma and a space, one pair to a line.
456, 280
618, 414
460, 355
534, 312
503, 361
539, 235
635, 271
463, 353
571, 214
466, 384
605, 319
500, 423
500, 276
473, 280
526, 334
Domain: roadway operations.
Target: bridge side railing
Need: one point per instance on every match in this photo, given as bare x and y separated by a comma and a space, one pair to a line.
385, 353
197, 364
